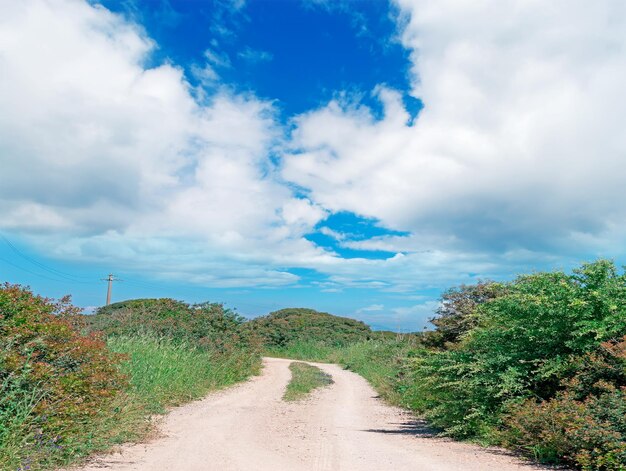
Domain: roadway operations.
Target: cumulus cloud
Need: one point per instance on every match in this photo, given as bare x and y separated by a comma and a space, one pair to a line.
516, 160
415, 317
104, 157
519, 146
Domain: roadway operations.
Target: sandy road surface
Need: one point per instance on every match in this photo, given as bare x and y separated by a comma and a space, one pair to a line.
341, 427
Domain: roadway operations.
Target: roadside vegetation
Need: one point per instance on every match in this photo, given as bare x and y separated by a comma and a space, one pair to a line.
72, 385
304, 379
537, 365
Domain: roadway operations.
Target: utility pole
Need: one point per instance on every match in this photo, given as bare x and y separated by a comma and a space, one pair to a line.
111, 278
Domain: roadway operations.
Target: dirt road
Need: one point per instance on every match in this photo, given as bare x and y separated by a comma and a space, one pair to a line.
341, 427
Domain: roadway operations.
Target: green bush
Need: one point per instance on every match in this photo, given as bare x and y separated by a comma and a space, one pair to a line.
585, 422
536, 350
456, 314
54, 382
206, 325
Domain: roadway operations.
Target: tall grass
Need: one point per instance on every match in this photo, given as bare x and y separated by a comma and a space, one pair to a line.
24, 445
16, 409
165, 373
381, 363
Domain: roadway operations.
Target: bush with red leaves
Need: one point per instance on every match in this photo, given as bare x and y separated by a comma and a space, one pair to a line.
54, 381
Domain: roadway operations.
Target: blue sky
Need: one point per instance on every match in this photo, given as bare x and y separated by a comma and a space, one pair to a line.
356, 157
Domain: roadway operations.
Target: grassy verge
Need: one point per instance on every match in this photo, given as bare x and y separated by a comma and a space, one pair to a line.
381, 363
165, 373
304, 379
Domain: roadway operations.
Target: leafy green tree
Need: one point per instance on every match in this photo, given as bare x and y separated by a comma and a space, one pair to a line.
456, 314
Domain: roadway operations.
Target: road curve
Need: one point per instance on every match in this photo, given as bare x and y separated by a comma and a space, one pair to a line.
340, 427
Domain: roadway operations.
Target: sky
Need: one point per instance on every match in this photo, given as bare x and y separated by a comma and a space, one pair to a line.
352, 156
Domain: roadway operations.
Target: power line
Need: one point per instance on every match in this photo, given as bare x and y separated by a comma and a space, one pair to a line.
31, 272
67, 276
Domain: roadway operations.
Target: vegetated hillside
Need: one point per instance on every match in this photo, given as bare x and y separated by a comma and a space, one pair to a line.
205, 325
178, 351
292, 325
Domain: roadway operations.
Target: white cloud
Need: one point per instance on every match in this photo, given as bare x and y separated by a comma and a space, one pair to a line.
415, 317
333, 234
255, 56
371, 308
519, 146
105, 158
517, 154
217, 59
410, 318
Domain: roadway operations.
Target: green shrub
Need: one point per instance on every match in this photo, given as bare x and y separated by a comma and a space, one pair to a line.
589, 433
537, 349
456, 315
585, 423
54, 382
206, 325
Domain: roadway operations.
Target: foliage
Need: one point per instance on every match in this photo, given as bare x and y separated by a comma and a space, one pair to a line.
585, 422
535, 351
207, 325
165, 373
382, 364
54, 382
304, 379
289, 326
67, 391
457, 313
537, 364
